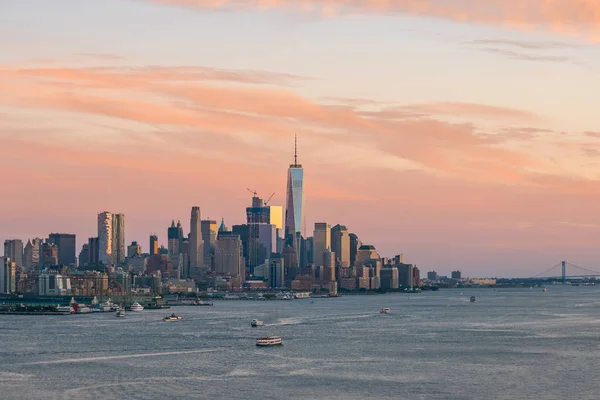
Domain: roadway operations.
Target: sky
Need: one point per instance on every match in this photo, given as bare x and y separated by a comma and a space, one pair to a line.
461, 134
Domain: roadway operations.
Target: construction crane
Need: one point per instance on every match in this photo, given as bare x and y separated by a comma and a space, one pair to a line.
269, 199
254, 192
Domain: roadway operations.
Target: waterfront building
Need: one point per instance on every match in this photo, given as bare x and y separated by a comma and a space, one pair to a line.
8, 275
196, 244
153, 245
294, 208
50, 284
366, 253
340, 244
66, 243
321, 241
432, 276
105, 238
389, 278
456, 275
13, 249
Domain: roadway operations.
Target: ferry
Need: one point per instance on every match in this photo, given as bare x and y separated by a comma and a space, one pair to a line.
120, 313
269, 341
172, 318
384, 311
256, 323
202, 303
473, 299
136, 307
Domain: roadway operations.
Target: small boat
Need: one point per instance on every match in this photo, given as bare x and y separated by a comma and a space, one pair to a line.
120, 313
136, 307
202, 303
384, 311
269, 341
256, 323
172, 318
473, 299
312, 302
545, 289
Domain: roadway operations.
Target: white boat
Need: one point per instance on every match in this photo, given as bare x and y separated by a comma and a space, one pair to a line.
121, 313
473, 299
256, 323
384, 311
269, 341
136, 307
172, 318
68, 309
545, 290
84, 310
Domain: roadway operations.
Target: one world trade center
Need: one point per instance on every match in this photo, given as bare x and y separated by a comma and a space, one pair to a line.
294, 208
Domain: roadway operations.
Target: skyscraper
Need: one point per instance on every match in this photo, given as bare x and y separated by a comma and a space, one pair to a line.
196, 245
175, 237
13, 249
66, 247
209, 237
294, 208
340, 244
118, 239
153, 245
229, 258
105, 238
321, 241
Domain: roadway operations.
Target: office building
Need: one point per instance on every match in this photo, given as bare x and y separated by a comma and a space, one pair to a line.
294, 208
340, 244
229, 258
276, 271
321, 241
432, 276
66, 243
93, 251
389, 278
8, 275
174, 237
355, 244
13, 249
134, 250
196, 244
209, 237
456, 275
153, 245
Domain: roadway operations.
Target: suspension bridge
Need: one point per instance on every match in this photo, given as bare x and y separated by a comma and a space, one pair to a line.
559, 271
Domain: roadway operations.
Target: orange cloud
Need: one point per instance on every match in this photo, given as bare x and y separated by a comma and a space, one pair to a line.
573, 17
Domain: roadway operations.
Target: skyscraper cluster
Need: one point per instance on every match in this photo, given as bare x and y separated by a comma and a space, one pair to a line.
271, 249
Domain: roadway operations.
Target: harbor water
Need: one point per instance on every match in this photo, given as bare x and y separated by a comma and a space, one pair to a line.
510, 344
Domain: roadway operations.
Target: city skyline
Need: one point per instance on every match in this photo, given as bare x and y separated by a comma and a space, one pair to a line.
461, 138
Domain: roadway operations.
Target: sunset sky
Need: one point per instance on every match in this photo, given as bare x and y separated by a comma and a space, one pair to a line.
464, 134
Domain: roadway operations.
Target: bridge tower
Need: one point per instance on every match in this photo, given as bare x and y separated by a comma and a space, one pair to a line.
564, 271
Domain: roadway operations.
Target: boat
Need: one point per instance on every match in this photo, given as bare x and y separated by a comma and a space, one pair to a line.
384, 311
202, 303
545, 290
172, 318
65, 309
120, 313
136, 307
473, 299
269, 341
256, 323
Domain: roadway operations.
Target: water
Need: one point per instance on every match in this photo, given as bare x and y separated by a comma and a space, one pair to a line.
512, 344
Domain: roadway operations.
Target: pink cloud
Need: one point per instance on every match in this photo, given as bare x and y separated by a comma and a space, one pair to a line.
572, 17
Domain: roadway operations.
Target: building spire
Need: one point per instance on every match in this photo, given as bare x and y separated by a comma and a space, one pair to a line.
295, 149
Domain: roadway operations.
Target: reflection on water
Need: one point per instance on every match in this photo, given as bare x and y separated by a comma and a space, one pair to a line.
514, 343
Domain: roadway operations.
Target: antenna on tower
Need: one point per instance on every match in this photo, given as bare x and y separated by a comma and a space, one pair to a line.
295, 149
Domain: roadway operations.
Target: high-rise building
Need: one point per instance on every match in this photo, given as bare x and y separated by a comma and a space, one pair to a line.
134, 250
276, 271
355, 244
340, 244
432, 276
118, 241
294, 208
209, 237
28, 254
84, 255
105, 238
276, 217
366, 254
321, 241
175, 237
13, 249
196, 245
153, 245
93, 251
229, 258
66, 243
456, 275
8, 275
49, 254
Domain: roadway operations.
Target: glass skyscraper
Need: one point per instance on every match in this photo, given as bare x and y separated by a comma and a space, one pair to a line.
294, 208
